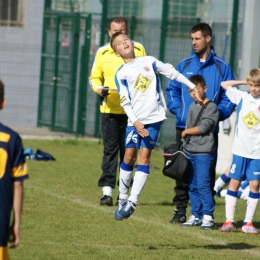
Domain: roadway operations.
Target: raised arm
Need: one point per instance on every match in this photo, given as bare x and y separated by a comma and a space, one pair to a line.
183, 80
173, 94
169, 71
232, 83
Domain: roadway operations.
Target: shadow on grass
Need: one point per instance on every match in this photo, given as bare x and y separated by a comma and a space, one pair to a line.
233, 246
238, 225
163, 203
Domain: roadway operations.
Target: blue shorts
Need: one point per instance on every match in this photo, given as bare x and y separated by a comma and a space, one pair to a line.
133, 139
244, 168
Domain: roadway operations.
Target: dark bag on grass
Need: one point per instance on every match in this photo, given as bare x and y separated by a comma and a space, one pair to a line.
43, 156
175, 162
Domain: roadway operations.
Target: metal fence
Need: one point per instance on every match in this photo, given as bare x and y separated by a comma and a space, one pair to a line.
162, 26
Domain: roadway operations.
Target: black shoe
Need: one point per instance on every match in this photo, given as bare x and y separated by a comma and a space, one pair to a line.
106, 201
178, 218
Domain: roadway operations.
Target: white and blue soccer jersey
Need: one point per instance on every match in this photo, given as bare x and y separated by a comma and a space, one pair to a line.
247, 134
138, 84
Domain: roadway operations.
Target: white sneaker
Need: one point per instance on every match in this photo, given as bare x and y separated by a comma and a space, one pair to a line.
192, 221
207, 222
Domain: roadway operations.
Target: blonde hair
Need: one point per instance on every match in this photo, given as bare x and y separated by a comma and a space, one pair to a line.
253, 76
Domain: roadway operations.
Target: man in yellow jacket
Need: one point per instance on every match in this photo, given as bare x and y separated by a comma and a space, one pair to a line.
113, 117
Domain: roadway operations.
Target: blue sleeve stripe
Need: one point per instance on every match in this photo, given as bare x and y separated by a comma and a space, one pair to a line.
157, 80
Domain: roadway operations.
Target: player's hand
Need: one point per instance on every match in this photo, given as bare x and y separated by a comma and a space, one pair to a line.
103, 92
183, 134
140, 129
198, 96
14, 236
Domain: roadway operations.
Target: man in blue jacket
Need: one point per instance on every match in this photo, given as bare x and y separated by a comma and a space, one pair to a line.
214, 70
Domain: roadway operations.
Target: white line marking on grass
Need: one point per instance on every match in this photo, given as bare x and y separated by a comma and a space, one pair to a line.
167, 226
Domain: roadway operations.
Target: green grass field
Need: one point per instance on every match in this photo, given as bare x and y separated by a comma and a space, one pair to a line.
62, 218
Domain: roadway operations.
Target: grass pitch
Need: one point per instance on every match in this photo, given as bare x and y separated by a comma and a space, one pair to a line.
62, 218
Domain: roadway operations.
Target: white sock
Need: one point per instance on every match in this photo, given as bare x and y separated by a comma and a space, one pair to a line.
124, 183
107, 191
223, 193
208, 217
221, 182
138, 184
251, 208
245, 193
230, 206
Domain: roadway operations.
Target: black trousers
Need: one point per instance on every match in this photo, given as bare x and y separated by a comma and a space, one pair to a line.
181, 198
113, 128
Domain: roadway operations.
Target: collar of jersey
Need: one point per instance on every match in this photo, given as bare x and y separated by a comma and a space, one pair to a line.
110, 48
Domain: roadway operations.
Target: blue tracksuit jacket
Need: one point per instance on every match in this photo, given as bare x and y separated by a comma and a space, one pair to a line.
214, 70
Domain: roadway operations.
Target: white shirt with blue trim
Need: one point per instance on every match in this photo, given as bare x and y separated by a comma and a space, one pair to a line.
247, 134
138, 84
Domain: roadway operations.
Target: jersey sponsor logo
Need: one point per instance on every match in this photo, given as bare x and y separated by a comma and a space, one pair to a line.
142, 83
190, 73
250, 120
146, 68
256, 173
122, 99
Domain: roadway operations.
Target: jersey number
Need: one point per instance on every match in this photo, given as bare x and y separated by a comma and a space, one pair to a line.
3, 161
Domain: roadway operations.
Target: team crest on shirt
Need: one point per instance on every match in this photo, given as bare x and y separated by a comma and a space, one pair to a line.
250, 120
146, 68
142, 83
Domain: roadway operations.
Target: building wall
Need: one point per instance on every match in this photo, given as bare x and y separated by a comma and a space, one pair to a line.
20, 51
31, 33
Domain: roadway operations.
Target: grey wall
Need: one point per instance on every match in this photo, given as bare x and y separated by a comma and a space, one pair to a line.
20, 50
251, 38
31, 32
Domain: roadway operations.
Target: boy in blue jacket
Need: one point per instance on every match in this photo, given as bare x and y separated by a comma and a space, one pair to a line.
206, 63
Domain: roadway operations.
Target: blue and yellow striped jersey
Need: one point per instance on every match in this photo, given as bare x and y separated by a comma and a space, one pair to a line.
12, 168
